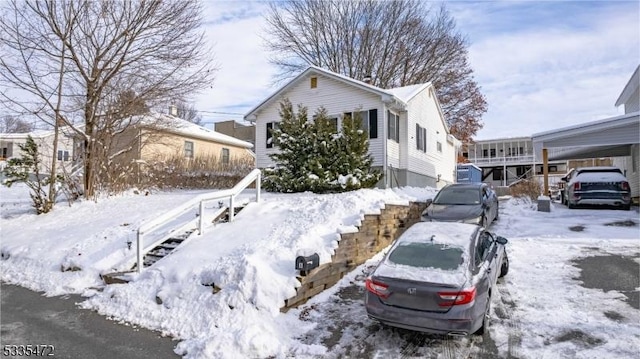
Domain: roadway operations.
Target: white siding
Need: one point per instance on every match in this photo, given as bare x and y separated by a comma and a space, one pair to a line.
423, 110
336, 96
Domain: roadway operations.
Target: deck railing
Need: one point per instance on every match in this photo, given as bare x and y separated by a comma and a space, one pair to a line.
199, 201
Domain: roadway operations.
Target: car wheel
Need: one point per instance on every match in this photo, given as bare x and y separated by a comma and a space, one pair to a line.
484, 328
571, 205
627, 207
504, 268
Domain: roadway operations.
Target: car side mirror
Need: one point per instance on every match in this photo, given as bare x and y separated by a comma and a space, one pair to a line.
565, 179
501, 240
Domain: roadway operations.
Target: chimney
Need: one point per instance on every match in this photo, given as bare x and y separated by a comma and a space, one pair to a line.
173, 110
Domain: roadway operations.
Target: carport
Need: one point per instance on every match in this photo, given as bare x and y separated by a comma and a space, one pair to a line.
610, 137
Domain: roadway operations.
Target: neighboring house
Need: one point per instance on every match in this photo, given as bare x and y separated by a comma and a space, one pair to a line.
159, 137
408, 136
630, 165
237, 130
617, 137
10, 147
507, 160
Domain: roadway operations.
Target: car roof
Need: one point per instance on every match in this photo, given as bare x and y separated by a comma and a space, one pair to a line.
598, 169
453, 233
464, 185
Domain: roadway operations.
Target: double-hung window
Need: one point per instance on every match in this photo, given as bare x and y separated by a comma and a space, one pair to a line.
271, 126
421, 138
393, 126
225, 156
368, 121
188, 149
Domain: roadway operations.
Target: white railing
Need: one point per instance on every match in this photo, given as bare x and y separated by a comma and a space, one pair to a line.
199, 201
502, 160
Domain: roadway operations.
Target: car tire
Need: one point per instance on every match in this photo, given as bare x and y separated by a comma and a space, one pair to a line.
571, 205
497, 214
504, 268
486, 318
627, 207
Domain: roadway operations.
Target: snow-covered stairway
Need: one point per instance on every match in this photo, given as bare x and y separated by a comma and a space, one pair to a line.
165, 248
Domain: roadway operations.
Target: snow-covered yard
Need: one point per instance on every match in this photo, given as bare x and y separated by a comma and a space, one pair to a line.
542, 310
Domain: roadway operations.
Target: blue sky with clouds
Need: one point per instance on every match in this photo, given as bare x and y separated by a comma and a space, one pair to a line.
541, 64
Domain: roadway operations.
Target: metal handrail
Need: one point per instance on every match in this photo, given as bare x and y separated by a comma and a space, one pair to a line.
148, 226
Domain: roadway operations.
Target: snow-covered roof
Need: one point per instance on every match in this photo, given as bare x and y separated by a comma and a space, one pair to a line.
24, 135
400, 95
179, 126
406, 93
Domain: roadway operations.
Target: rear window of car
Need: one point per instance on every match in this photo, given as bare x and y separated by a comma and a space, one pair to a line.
597, 170
458, 196
427, 255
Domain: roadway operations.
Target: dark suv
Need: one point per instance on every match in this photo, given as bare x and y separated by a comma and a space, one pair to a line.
597, 186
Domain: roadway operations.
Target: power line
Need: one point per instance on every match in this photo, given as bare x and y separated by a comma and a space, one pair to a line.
222, 113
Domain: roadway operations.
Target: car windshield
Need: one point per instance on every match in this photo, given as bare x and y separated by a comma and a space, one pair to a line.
457, 196
427, 255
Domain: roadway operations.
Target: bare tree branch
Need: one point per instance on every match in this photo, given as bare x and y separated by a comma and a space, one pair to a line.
71, 62
396, 43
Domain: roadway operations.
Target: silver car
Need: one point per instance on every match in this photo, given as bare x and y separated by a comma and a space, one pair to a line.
438, 278
474, 203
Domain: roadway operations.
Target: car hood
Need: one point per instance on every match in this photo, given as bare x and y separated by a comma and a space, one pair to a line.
453, 211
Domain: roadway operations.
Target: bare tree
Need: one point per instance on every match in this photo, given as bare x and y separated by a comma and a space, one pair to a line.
111, 57
395, 43
12, 124
188, 112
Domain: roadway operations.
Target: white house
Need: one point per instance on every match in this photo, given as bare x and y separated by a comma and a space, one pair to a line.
10, 147
408, 136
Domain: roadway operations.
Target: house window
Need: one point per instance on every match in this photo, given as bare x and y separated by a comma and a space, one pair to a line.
225, 156
521, 150
465, 154
493, 152
333, 121
393, 126
63, 155
314, 82
271, 126
498, 174
368, 121
485, 153
421, 138
188, 149
439, 145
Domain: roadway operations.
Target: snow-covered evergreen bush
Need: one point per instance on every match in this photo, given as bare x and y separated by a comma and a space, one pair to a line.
313, 157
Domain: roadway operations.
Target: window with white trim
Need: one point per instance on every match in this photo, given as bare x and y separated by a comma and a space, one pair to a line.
439, 145
225, 156
393, 125
421, 138
271, 126
188, 149
368, 121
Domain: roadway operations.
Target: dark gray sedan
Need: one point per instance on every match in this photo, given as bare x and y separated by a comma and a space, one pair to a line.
438, 278
474, 203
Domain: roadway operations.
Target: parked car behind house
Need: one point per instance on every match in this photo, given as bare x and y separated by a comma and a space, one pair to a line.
438, 278
597, 186
474, 203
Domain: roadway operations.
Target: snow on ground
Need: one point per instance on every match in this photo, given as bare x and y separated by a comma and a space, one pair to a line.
252, 260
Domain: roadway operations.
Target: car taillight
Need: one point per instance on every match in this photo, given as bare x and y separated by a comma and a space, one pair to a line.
377, 288
576, 186
625, 186
464, 296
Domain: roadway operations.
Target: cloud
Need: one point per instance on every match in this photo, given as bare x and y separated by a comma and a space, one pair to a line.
546, 73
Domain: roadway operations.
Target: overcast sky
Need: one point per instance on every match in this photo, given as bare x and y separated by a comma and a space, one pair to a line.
541, 64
